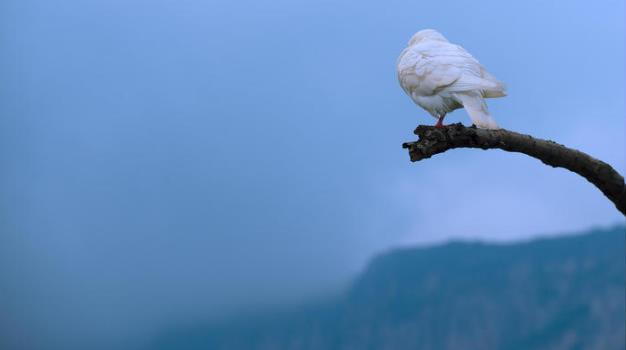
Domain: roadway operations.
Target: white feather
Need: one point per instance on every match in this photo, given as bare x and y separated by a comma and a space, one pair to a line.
440, 77
477, 109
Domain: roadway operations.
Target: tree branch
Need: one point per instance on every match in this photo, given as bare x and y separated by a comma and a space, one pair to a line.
434, 141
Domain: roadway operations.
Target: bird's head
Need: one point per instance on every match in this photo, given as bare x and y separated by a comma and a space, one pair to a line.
426, 34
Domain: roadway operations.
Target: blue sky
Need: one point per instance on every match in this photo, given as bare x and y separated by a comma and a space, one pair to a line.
163, 158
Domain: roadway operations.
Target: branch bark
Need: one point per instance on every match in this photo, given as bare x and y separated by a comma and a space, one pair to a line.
433, 141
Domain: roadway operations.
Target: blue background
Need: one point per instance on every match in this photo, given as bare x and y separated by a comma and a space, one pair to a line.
163, 159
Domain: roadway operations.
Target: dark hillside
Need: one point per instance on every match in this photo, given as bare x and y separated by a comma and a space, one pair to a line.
557, 293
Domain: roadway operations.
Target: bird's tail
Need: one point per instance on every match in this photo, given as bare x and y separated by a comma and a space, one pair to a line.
477, 110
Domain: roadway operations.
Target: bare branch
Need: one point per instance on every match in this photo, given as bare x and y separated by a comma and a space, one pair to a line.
438, 140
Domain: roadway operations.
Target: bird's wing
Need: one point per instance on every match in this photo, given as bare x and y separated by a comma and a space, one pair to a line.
406, 71
449, 67
422, 74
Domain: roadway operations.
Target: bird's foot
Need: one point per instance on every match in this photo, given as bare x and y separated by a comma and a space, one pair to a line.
439, 124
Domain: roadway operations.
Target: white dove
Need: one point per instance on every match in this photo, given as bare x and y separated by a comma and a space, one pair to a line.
440, 77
